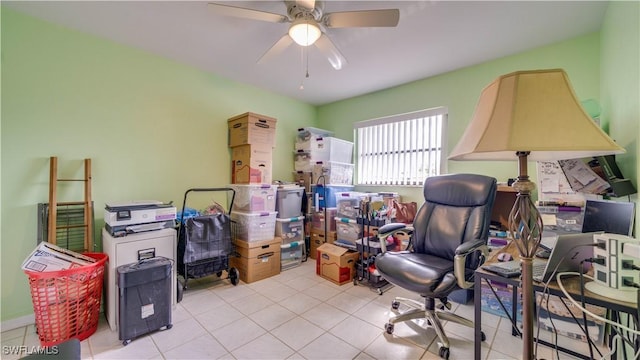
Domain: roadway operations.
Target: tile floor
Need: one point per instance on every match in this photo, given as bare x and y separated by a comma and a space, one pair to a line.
294, 315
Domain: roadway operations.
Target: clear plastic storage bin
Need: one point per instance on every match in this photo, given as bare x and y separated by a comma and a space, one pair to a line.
311, 138
304, 160
291, 254
291, 229
317, 219
334, 172
325, 195
328, 149
255, 226
348, 230
289, 202
307, 133
254, 197
348, 203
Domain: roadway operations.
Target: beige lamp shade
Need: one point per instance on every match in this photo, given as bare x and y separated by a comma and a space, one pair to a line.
534, 111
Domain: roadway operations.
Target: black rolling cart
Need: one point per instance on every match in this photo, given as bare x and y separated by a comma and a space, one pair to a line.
369, 247
205, 243
144, 297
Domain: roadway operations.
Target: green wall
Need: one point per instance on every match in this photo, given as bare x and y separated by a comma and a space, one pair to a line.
620, 86
153, 129
459, 91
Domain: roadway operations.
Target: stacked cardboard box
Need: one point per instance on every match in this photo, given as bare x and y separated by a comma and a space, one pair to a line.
252, 139
256, 260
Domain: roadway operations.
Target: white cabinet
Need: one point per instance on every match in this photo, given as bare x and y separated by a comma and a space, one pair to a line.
130, 249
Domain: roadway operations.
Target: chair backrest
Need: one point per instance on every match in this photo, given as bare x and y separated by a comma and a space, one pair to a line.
457, 209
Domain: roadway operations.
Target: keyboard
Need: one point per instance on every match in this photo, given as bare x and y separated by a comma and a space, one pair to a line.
506, 269
512, 268
538, 268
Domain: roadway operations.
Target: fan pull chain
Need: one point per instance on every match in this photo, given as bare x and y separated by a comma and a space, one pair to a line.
303, 52
302, 63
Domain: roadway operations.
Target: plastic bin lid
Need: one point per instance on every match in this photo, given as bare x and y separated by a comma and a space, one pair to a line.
305, 131
295, 218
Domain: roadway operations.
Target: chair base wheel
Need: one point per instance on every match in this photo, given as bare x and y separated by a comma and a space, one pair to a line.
483, 337
444, 352
388, 327
395, 305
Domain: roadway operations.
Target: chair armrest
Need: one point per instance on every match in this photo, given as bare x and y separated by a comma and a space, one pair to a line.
389, 229
460, 260
468, 247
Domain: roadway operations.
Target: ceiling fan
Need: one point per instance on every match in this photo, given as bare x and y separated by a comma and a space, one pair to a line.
309, 24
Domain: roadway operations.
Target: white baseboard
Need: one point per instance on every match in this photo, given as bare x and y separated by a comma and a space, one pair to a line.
18, 322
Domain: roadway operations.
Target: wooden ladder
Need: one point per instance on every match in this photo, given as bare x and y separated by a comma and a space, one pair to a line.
87, 205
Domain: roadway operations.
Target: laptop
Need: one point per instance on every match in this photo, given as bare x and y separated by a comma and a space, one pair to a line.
566, 255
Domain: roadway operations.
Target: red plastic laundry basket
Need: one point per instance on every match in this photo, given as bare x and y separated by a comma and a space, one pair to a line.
66, 303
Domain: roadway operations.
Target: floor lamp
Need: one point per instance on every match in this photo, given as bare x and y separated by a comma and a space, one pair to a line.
530, 115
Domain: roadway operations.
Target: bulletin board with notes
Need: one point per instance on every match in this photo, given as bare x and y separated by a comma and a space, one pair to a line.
563, 188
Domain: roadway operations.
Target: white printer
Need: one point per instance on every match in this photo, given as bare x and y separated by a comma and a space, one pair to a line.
138, 216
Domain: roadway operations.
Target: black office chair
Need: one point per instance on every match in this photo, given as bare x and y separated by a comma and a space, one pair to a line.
449, 241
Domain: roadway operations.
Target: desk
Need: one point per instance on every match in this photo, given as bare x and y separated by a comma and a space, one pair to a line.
572, 285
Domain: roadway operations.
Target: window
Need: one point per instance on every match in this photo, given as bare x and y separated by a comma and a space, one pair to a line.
401, 149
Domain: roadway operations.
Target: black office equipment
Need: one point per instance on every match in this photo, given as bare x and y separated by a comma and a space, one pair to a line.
612, 217
607, 168
506, 269
144, 298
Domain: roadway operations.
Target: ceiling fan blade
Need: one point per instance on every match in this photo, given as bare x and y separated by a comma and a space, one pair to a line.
245, 13
307, 4
276, 49
363, 18
326, 46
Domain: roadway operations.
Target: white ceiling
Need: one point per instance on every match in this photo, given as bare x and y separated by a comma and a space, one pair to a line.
432, 37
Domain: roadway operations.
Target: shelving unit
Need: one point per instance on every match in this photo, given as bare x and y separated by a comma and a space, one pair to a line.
368, 248
76, 217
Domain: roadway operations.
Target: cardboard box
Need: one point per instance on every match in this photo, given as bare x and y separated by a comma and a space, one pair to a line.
304, 179
50, 257
317, 239
252, 129
251, 164
256, 260
335, 263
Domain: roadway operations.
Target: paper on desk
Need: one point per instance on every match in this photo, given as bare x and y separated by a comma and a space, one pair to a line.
550, 184
582, 178
549, 219
552, 179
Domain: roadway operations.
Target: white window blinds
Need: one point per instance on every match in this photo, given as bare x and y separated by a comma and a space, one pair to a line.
402, 149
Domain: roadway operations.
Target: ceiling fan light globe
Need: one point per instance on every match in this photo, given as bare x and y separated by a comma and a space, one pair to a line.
304, 33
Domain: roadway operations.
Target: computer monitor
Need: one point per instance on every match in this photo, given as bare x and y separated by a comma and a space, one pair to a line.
612, 217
